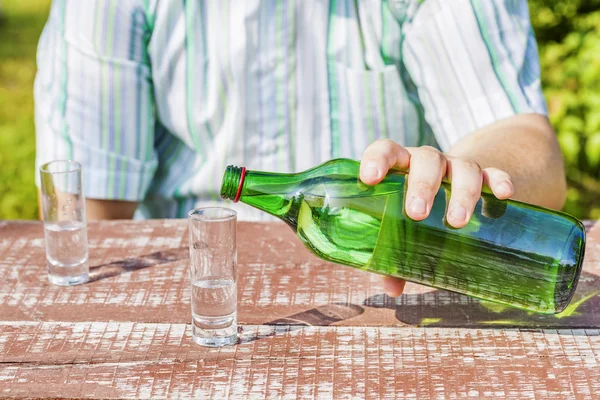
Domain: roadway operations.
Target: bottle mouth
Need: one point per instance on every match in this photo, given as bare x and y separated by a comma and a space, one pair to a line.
233, 181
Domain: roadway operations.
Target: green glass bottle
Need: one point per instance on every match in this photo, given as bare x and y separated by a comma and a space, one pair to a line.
510, 252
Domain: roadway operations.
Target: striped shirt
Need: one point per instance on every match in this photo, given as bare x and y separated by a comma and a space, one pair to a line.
156, 97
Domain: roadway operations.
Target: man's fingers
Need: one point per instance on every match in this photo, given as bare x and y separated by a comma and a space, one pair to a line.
379, 157
466, 180
499, 183
393, 287
427, 168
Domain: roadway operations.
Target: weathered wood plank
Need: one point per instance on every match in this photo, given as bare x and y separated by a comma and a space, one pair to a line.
134, 360
140, 275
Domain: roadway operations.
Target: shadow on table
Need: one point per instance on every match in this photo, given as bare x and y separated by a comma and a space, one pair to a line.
136, 263
445, 309
324, 315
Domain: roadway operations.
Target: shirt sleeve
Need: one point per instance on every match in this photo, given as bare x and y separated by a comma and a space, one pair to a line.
473, 62
94, 97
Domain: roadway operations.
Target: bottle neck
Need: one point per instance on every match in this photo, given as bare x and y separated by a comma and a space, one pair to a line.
233, 181
273, 193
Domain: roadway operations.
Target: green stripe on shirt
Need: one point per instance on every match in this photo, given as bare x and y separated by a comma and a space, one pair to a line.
333, 87
291, 85
190, 68
64, 80
382, 110
384, 33
280, 84
484, 30
105, 83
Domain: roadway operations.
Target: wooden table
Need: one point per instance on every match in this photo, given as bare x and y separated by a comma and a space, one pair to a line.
309, 329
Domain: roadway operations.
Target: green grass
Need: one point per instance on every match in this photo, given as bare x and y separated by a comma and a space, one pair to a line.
564, 64
20, 28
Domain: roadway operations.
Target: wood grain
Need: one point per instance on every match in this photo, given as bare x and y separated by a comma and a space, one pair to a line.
136, 360
309, 329
139, 272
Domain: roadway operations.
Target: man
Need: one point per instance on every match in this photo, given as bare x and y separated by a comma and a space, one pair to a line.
156, 97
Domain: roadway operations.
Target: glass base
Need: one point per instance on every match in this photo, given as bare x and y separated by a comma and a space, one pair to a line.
68, 280
216, 341
215, 331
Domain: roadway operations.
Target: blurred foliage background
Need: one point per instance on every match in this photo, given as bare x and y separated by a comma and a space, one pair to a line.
568, 34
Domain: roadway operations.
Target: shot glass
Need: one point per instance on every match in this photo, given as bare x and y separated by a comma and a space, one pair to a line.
213, 275
65, 230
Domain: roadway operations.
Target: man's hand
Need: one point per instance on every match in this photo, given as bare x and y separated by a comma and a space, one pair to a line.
517, 157
427, 168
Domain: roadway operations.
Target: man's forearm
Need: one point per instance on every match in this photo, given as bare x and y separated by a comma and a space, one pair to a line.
109, 209
525, 146
102, 209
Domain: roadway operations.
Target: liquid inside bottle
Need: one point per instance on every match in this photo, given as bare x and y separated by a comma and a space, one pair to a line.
510, 252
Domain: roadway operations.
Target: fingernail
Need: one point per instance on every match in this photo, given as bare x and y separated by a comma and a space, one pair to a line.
418, 206
459, 213
505, 187
371, 170
392, 288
